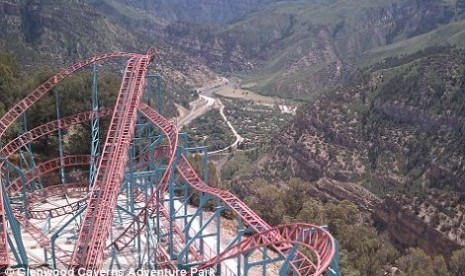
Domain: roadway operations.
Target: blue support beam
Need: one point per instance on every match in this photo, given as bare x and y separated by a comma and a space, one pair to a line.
285, 266
16, 232
333, 269
199, 234
28, 160
58, 232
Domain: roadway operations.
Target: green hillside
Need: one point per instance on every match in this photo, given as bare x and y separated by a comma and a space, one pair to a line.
449, 34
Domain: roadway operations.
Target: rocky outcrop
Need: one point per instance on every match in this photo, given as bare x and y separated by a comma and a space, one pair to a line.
403, 227
407, 230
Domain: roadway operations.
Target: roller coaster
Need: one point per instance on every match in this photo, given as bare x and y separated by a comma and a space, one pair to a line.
135, 202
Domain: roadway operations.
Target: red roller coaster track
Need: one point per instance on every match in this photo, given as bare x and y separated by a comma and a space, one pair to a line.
309, 236
101, 200
95, 229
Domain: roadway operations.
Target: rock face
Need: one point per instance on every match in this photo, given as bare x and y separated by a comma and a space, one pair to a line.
398, 129
41, 31
404, 228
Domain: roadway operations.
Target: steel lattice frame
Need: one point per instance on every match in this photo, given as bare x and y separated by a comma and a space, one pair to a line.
139, 198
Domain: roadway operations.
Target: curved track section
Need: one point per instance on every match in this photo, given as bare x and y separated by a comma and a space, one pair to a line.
40, 170
301, 263
169, 151
17, 185
48, 128
4, 256
313, 238
43, 240
77, 189
10, 117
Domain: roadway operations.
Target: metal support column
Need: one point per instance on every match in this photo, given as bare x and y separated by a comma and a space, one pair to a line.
57, 234
60, 138
95, 127
172, 209
29, 159
205, 165
16, 231
285, 266
333, 269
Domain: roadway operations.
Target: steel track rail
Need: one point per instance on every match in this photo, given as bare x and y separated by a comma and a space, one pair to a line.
42, 130
171, 132
96, 226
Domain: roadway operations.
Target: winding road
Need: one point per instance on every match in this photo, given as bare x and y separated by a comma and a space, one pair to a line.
206, 101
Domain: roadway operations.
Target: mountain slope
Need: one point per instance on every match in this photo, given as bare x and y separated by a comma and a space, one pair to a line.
397, 129
397, 123
201, 11
297, 48
288, 48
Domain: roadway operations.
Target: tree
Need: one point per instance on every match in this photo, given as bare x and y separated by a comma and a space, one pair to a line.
74, 96
10, 78
266, 199
457, 263
341, 214
346, 265
196, 161
295, 197
417, 263
311, 212
368, 252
